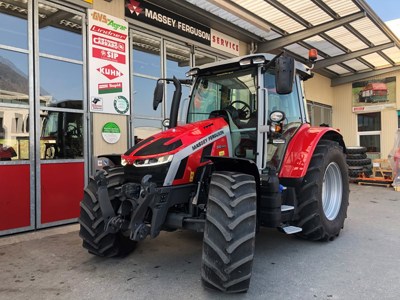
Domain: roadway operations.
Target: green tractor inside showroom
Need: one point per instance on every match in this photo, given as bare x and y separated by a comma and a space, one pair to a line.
243, 157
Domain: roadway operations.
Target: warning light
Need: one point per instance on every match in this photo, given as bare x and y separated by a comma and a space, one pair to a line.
312, 55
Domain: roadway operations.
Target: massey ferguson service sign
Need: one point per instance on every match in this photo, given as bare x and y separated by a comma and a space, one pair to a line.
108, 64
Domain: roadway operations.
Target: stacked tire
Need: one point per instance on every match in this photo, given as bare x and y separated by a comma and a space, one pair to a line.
358, 163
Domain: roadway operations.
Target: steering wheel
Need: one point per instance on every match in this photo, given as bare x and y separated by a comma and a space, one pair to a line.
243, 112
72, 130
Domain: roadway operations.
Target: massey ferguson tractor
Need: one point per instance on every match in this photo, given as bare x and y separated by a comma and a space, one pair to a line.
243, 156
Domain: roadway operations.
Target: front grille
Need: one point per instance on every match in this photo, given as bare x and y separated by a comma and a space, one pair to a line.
135, 174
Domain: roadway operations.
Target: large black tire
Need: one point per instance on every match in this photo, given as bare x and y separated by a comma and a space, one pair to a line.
95, 239
359, 162
356, 150
324, 195
229, 233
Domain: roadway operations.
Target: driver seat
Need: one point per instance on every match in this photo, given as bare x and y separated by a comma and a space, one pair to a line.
235, 134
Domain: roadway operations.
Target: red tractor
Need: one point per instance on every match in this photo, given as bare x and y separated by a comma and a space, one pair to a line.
245, 157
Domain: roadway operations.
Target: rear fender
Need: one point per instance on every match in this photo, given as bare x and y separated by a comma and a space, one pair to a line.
301, 148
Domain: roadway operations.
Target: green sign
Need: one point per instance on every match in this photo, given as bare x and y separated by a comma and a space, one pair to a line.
111, 133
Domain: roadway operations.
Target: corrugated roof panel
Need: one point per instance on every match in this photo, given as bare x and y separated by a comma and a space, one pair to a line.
393, 53
368, 29
299, 50
271, 14
342, 7
338, 69
346, 38
219, 12
376, 60
272, 35
356, 65
323, 45
307, 10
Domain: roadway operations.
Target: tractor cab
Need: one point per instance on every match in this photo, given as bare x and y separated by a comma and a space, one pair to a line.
246, 92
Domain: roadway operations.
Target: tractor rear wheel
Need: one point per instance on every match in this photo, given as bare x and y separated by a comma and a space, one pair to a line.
92, 228
324, 195
229, 233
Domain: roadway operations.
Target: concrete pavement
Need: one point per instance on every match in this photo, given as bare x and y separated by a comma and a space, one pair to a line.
363, 263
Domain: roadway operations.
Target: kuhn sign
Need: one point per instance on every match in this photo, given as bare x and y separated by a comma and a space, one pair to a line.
108, 64
110, 72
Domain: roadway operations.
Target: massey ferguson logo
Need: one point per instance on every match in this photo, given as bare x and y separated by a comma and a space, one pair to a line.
134, 7
110, 72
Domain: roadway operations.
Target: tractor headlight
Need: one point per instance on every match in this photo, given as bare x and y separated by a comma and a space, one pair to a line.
148, 162
123, 162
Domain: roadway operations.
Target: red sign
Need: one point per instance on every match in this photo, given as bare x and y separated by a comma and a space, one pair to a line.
108, 55
107, 43
108, 88
108, 32
110, 72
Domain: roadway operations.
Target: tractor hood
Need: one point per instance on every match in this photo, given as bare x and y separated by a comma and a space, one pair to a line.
160, 147
172, 157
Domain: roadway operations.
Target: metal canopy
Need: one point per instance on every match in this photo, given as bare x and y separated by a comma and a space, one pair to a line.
352, 41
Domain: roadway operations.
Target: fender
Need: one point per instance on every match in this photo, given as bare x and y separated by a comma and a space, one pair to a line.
222, 163
301, 148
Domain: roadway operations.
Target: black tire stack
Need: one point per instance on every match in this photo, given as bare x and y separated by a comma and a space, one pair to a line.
358, 163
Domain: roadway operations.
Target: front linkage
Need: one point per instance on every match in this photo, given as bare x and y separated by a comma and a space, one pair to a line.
135, 200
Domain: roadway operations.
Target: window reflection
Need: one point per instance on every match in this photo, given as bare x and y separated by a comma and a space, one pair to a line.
61, 83
14, 24
146, 55
144, 128
60, 32
14, 133
14, 83
144, 91
61, 135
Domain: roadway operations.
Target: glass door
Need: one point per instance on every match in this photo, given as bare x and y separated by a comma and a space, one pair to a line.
60, 105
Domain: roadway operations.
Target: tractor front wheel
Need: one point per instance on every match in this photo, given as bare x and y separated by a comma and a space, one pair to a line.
92, 228
324, 195
229, 233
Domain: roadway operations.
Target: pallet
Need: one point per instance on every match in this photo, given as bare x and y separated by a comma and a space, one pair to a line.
374, 183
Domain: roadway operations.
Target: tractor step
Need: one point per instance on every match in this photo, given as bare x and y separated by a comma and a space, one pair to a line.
286, 207
291, 229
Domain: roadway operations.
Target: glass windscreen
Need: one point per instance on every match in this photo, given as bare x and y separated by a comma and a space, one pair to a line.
233, 91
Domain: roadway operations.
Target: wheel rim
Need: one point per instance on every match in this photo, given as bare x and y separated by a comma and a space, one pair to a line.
332, 191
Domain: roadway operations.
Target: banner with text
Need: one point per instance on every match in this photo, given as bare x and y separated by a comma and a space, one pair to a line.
109, 90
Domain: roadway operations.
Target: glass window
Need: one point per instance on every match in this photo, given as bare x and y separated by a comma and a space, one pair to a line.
371, 142
236, 90
61, 84
143, 101
61, 135
60, 33
201, 59
146, 55
14, 81
14, 24
369, 122
178, 63
14, 135
144, 128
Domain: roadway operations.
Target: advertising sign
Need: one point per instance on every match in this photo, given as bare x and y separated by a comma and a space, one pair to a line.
224, 42
376, 94
108, 65
165, 19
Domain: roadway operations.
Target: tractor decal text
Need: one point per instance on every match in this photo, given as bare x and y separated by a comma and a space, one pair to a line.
207, 140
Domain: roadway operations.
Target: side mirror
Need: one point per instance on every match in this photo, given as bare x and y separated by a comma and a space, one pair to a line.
284, 74
158, 94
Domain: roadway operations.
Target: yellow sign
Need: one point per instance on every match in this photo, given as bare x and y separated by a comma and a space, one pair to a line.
89, 1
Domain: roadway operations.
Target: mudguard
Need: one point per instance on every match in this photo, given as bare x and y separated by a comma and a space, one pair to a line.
301, 148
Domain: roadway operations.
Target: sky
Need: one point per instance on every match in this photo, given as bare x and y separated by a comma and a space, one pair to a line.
386, 9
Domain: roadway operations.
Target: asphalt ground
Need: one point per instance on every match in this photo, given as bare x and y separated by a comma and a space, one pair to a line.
363, 263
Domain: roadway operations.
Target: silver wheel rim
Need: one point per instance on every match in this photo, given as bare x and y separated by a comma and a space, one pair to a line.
332, 191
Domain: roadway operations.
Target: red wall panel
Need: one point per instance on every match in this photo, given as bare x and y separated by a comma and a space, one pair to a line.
14, 197
62, 190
